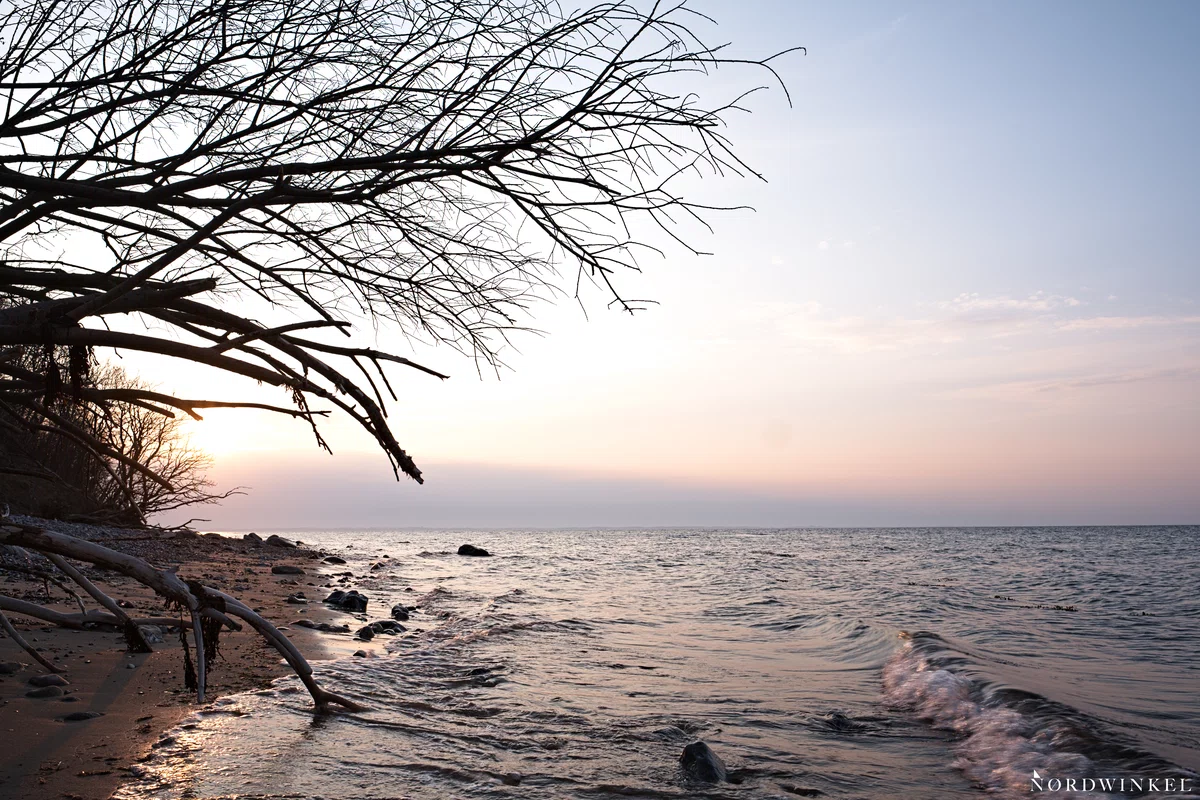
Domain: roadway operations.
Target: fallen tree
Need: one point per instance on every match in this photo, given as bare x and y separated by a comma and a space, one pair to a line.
170, 168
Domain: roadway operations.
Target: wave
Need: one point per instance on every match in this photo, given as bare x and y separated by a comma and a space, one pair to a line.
1006, 736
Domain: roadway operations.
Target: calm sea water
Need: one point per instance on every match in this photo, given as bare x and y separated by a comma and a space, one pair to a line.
907, 663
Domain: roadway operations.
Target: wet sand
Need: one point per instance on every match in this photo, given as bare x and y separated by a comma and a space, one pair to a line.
140, 696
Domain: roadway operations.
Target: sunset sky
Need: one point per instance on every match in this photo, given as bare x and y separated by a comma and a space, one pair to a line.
967, 296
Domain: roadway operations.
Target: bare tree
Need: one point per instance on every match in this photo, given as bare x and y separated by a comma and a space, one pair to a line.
429, 163
154, 440
145, 467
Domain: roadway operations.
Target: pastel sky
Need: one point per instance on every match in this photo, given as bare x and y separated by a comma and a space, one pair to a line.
968, 295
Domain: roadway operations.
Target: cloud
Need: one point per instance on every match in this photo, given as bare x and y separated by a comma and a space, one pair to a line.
1033, 387
1124, 323
967, 317
968, 303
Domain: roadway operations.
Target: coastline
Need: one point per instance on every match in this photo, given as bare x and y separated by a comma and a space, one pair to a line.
141, 696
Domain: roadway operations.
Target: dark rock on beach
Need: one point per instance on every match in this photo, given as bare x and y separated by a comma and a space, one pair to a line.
45, 691
252, 538
81, 716
297, 599
324, 627
350, 601
400, 613
278, 541
9, 667
334, 560
49, 680
286, 569
472, 550
702, 764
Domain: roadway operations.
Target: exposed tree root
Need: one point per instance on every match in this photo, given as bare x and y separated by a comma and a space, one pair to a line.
16, 636
201, 603
133, 637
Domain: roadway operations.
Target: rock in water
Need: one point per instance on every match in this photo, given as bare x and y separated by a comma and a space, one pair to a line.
350, 601
472, 550
400, 613
700, 762
334, 560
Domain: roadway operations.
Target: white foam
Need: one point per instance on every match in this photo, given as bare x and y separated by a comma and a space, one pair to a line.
1000, 748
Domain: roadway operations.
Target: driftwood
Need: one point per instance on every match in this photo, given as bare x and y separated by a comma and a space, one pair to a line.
133, 637
45, 576
200, 602
83, 620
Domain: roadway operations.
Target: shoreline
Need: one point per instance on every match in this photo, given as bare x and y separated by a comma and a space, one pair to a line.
140, 696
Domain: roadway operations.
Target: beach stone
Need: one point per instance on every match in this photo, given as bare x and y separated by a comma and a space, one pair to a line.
69, 699
80, 716
365, 633
360, 653
9, 667
327, 628
297, 599
334, 560
45, 691
399, 612
151, 633
472, 550
350, 601
286, 569
700, 762
49, 680
305, 623
278, 541
378, 565
253, 538
384, 626
512, 778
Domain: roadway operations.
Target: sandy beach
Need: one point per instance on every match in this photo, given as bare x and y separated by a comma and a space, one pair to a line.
140, 696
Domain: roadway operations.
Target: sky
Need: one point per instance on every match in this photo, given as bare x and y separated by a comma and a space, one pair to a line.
966, 295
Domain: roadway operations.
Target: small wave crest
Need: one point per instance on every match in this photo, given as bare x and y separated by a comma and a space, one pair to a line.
1004, 735
1000, 747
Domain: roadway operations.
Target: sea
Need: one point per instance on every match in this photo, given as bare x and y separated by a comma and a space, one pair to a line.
832, 663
